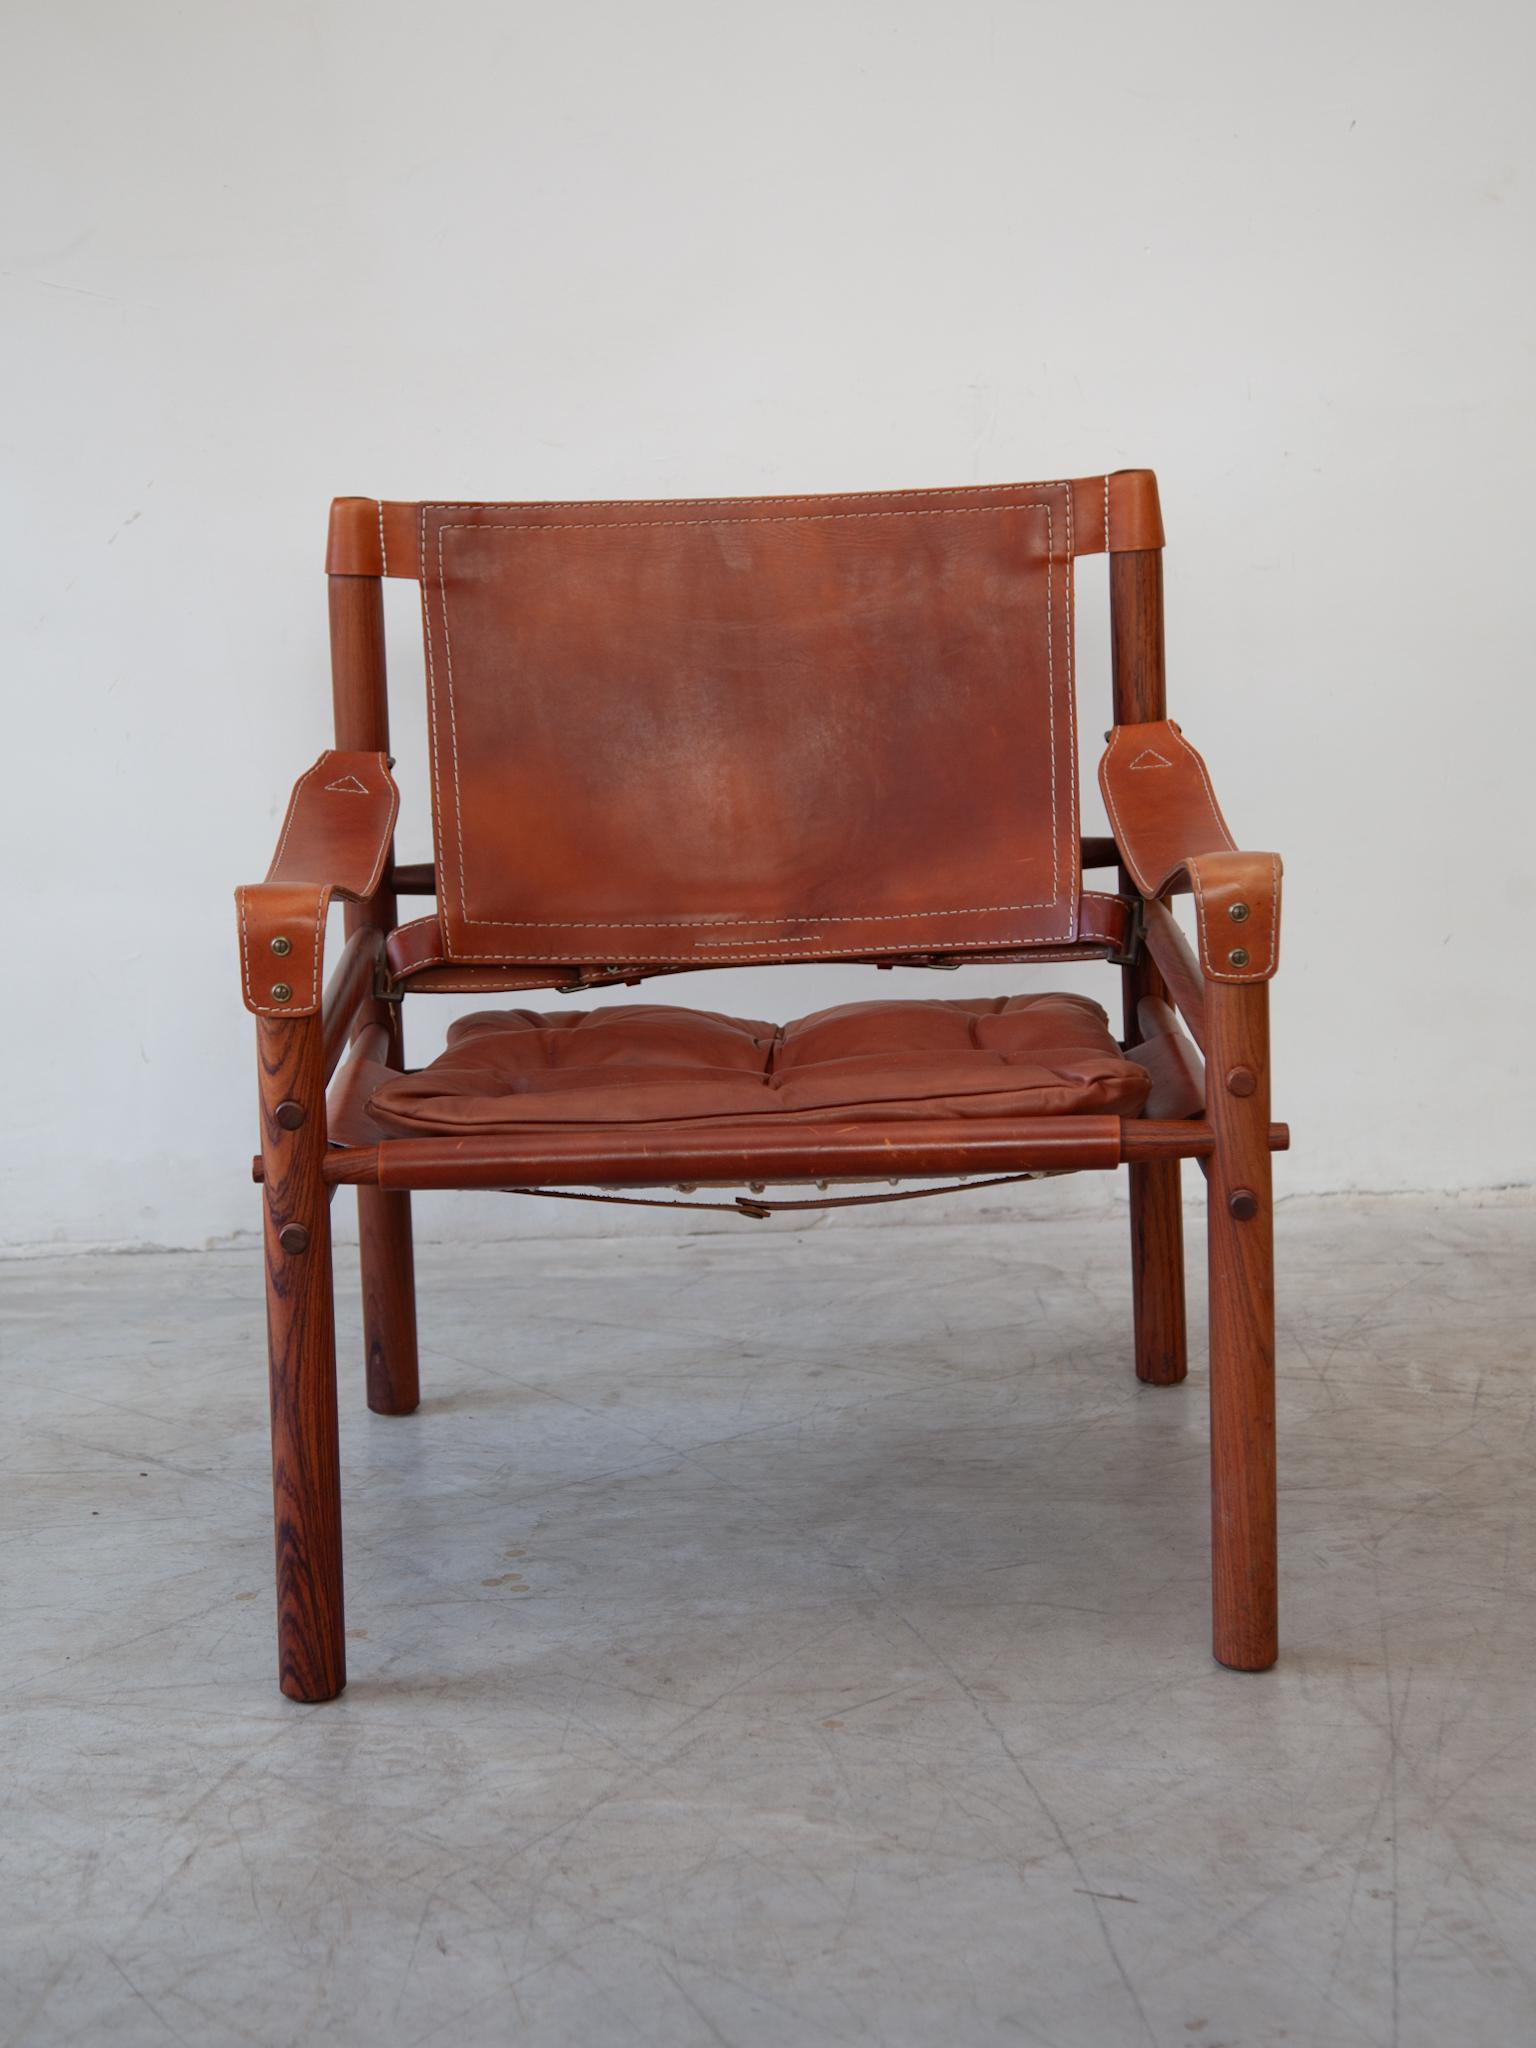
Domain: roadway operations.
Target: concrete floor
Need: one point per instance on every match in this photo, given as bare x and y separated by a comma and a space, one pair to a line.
779, 1637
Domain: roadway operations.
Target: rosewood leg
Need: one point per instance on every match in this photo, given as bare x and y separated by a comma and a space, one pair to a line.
301, 1342
389, 1300
1157, 1222
1243, 1529
1157, 1272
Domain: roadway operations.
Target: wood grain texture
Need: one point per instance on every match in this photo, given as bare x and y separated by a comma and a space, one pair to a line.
478, 1163
349, 988
1156, 1195
301, 1343
360, 699
1173, 958
1243, 1519
389, 1301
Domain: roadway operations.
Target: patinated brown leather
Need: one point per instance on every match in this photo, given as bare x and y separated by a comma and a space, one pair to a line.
382, 537
1170, 833
676, 1070
417, 959
334, 842
753, 733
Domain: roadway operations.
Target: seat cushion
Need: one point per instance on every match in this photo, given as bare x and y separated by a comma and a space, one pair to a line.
647, 1063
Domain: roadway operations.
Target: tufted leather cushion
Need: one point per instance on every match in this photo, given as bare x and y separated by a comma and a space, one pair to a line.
645, 1063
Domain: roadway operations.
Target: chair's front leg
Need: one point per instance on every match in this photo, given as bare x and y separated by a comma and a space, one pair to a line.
1243, 1531
301, 1339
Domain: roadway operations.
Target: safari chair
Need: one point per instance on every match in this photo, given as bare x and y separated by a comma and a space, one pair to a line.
675, 734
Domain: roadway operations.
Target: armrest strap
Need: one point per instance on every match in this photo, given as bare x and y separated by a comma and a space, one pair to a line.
1169, 829
335, 841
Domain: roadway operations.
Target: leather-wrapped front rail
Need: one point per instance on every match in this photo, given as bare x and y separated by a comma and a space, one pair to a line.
1169, 829
335, 841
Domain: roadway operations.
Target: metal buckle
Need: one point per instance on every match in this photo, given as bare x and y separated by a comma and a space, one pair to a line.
1130, 953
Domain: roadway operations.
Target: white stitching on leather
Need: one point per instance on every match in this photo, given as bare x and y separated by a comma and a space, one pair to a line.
318, 942
1106, 513
1107, 783
245, 946
290, 815
751, 519
1246, 974
383, 548
679, 966
669, 924
453, 728
1094, 941
768, 498
1210, 794
327, 890
269, 1009
1249, 973
1122, 840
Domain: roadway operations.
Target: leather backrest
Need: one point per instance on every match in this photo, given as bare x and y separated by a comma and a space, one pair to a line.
744, 730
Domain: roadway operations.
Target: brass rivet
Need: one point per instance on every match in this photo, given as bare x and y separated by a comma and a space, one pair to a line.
282, 993
1241, 1081
1243, 1205
282, 946
293, 1237
1238, 956
289, 1114
1237, 912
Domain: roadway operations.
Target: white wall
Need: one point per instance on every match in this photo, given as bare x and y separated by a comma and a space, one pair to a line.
257, 255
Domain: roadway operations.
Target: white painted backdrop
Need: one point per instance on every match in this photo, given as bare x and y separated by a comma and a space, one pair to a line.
257, 255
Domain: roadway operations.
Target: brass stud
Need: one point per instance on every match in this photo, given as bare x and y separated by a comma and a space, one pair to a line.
1238, 956
289, 1114
1242, 1205
293, 1237
1241, 1081
282, 947
282, 993
1237, 912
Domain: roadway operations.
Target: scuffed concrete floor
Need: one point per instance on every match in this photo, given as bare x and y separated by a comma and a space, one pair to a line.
780, 1637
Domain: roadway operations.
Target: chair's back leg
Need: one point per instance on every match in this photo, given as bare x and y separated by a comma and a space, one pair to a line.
1157, 1213
301, 1342
1157, 1271
389, 1287
360, 694
1243, 1527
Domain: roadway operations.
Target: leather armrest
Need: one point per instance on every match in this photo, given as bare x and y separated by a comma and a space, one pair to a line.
1169, 829
335, 841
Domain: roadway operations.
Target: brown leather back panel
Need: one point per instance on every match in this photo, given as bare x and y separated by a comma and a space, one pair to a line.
753, 730
1117, 513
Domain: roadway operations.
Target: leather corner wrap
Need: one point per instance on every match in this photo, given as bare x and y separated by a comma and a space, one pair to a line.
1171, 832
335, 841
1117, 513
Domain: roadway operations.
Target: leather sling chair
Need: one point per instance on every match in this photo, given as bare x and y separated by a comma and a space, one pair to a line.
668, 735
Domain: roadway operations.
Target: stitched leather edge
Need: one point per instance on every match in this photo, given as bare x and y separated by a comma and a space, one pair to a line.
291, 903
1221, 879
1064, 843
1118, 511
1218, 871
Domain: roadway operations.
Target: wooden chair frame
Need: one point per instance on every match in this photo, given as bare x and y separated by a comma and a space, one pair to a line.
360, 1020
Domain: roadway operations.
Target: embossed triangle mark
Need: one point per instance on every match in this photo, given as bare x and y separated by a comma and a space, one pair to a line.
350, 786
1147, 758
